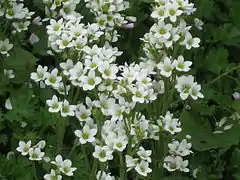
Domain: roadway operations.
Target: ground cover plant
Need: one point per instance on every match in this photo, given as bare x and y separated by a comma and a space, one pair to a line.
119, 89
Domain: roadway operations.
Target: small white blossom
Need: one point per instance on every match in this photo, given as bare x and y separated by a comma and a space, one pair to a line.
41, 73
54, 104
142, 168
52, 175
8, 104
23, 147
103, 154
86, 134
35, 154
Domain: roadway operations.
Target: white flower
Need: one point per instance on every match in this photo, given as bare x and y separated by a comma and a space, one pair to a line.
41, 73
108, 71
34, 38
78, 31
102, 175
53, 79
52, 175
54, 105
102, 21
93, 63
181, 149
172, 126
86, 135
67, 110
194, 91
159, 13
66, 167
139, 94
182, 65
166, 67
8, 104
91, 52
62, 88
82, 113
130, 162
105, 103
5, 46
35, 154
170, 163
55, 27
162, 30
173, 11
21, 26
80, 43
103, 154
182, 164
116, 112
184, 84
236, 95
66, 66
23, 147
58, 160
65, 41
144, 154
9, 73
198, 23
190, 42
76, 73
37, 21
90, 81
142, 168
120, 143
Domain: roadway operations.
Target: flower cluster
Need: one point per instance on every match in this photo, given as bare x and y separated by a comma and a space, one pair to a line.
178, 150
102, 175
5, 46
109, 119
62, 167
108, 14
226, 123
166, 37
61, 8
9, 73
140, 163
17, 13
35, 152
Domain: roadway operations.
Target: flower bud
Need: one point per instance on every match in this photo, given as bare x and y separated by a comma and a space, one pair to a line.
131, 19
128, 26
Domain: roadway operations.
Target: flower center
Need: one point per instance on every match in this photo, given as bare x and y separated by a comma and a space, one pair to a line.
102, 154
91, 81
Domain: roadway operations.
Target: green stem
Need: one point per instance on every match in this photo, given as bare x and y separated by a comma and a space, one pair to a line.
224, 74
61, 126
86, 160
122, 169
34, 170
94, 169
76, 95
74, 147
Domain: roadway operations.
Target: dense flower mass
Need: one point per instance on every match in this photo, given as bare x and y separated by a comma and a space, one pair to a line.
119, 112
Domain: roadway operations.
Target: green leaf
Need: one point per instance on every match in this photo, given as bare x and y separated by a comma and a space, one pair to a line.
202, 136
3, 139
216, 60
22, 62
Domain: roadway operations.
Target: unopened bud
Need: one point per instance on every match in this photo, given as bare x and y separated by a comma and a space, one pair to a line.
131, 19
128, 26
236, 96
